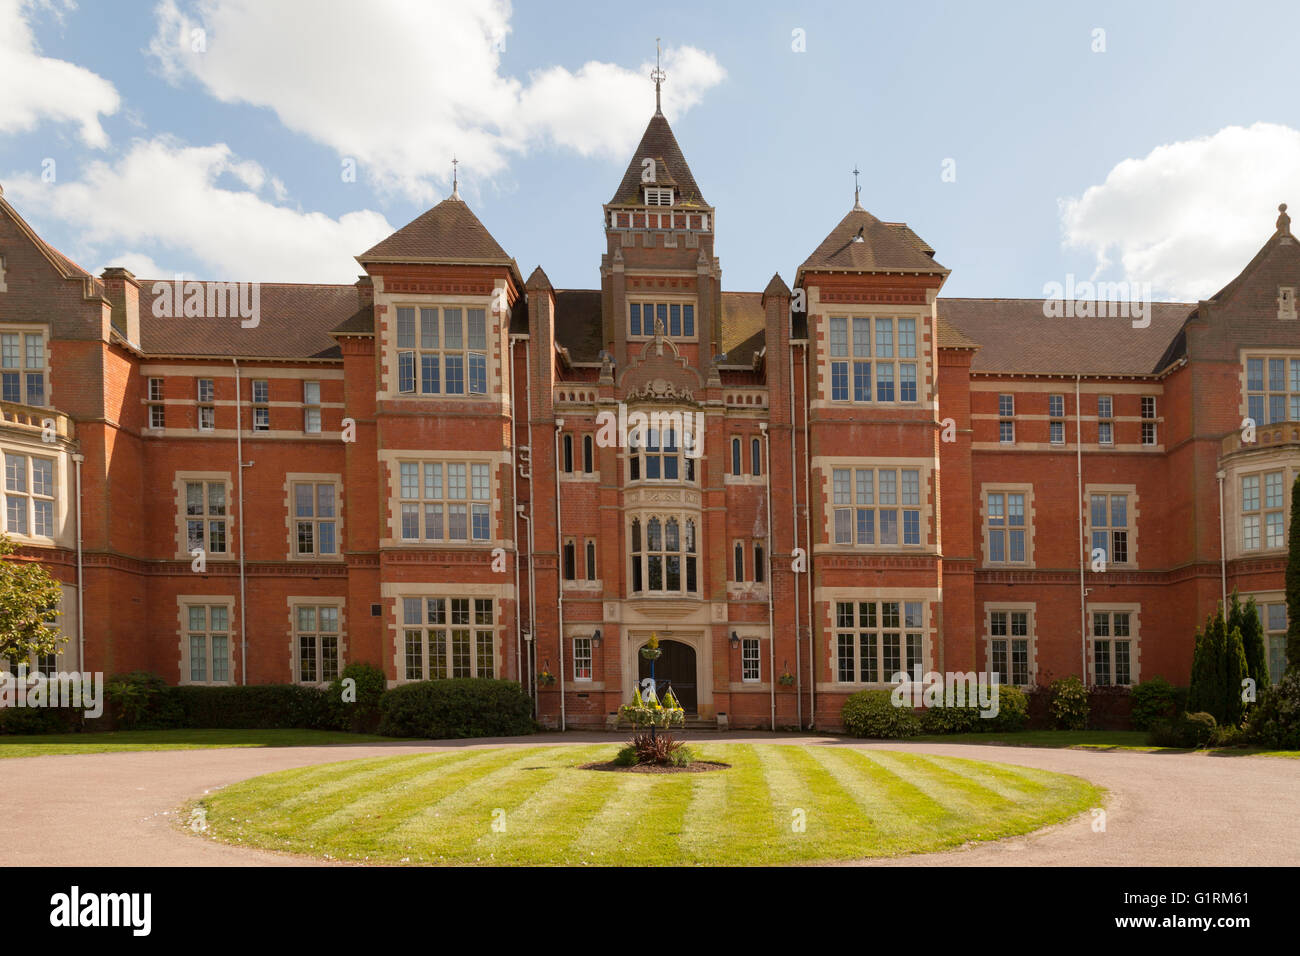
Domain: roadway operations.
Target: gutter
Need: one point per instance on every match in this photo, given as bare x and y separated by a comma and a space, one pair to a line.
559, 566
81, 589
794, 543
514, 507
1083, 551
807, 516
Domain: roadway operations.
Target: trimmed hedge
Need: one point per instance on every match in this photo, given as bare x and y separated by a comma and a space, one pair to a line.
1189, 730
256, 707
458, 707
1275, 721
1156, 699
871, 713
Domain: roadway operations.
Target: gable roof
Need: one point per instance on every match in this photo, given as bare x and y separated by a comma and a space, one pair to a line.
449, 232
1014, 336
885, 247
659, 143
65, 266
294, 322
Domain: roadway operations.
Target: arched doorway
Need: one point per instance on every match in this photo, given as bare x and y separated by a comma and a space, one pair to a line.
675, 666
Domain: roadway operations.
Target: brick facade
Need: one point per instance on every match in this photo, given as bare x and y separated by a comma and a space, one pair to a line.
416, 471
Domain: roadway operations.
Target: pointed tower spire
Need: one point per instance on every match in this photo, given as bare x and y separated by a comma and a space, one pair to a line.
658, 76
857, 190
455, 181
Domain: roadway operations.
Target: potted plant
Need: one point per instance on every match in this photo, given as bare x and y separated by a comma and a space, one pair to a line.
652, 651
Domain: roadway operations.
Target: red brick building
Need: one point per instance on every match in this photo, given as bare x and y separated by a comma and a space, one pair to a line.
424, 471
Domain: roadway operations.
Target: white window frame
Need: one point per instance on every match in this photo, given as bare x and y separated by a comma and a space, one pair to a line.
21, 490
860, 346
435, 626
434, 497
751, 660
850, 500
642, 556
18, 363
867, 626
426, 356
316, 631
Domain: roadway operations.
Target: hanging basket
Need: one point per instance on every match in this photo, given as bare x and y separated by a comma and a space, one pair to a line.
651, 653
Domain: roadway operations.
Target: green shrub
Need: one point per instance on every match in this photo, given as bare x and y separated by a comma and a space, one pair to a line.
682, 757
1189, 730
1275, 721
142, 701
361, 716
257, 706
41, 720
454, 708
1228, 737
950, 720
1013, 711
626, 757
1069, 704
871, 713
1152, 700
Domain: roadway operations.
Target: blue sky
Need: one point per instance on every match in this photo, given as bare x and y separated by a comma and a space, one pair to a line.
1160, 159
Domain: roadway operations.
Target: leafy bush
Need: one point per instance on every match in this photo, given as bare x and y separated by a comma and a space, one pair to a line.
1275, 721
951, 720
626, 756
41, 720
1189, 730
1013, 711
458, 707
1228, 737
361, 716
142, 701
1153, 700
871, 713
256, 706
1069, 704
662, 749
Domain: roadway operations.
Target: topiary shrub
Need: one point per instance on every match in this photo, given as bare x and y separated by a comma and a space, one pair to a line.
454, 708
1069, 703
1155, 699
1198, 728
1013, 711
361, 716
950, 720
1275, 721
871, 713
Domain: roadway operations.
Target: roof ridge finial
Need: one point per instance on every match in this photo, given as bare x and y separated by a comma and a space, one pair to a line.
455, 180
857, 190
658, 76
1283, 220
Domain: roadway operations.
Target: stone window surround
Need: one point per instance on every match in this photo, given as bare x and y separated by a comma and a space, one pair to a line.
394, 591
1007, 488
1134, 637
291, 518
296, 601
391, 534
1133, 514
232, 519
827, 598
183, 603
1031, 608
823, 471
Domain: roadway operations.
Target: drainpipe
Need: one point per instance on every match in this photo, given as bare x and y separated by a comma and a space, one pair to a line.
794, 543
239, 470
514, 507
559, 567
771, 625
808, 539
1083, 553
527, 516
81, 591
1223, 546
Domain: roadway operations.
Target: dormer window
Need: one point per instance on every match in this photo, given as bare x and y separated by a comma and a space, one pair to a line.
658, 196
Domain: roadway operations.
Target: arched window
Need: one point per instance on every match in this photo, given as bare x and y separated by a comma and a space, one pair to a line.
636, 554
735, 456
738, 562
570, 561
591, 560
755, 458
567, 445
758, 562
588, 455
690, 556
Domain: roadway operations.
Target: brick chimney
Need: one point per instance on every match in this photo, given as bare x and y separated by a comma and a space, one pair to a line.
124, 294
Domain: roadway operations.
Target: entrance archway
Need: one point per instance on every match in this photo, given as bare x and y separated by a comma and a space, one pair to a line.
675, 666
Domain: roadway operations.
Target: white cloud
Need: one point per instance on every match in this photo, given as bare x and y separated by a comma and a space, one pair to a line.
1189, 216
404, 86
164, 197
39, 88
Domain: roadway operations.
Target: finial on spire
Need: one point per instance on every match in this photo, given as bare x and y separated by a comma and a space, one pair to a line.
658, 76
455, 180
857, 190
1283, 220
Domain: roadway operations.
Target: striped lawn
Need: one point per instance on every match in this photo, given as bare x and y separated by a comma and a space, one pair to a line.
778, 803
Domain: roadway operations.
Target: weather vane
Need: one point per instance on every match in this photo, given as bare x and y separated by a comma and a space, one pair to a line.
658, 76
856, 188
455, 181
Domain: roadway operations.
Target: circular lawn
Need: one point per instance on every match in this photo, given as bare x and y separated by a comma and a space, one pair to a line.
776, 803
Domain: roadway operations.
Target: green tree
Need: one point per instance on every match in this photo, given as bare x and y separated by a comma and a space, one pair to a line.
1245, 617
28, 596
1293, 583
1198, 693
1218, 667
1232, 707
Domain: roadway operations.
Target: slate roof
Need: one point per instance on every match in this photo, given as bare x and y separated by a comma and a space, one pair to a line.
1014, 336
295, 321
885, 247
449, 232
659, 143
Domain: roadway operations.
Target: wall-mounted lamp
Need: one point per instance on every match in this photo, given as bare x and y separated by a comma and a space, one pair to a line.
735, 640
596, 638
